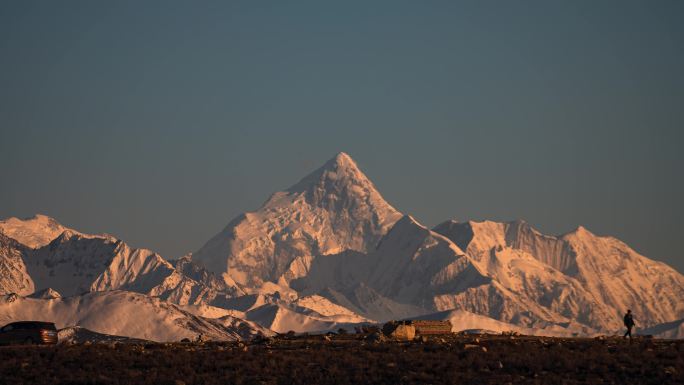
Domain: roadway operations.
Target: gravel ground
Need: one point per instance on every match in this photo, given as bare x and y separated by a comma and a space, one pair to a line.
352, 359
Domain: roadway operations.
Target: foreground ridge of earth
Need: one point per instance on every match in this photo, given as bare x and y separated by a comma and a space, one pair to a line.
353, 359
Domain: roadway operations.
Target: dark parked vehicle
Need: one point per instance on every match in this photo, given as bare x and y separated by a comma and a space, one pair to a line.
28, 333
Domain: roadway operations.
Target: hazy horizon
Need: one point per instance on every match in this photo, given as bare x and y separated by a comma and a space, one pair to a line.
159, 122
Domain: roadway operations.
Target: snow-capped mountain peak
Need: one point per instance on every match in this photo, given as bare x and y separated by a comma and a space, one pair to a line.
333, 209
32, 232
14, 277
66, 236
579, 232
338, 185
342, 166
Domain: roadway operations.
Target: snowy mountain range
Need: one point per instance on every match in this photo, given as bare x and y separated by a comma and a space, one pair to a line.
330, 252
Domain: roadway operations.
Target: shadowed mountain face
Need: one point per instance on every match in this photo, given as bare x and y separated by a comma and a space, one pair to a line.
14, 277
330, 252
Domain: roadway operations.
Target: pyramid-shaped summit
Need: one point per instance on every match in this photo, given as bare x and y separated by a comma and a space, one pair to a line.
333, 209
339, 185
342, 167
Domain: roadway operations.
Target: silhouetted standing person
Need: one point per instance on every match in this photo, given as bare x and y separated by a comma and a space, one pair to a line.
629, 324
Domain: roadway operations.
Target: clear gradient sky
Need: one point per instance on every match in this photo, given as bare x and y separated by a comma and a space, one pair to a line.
159, 121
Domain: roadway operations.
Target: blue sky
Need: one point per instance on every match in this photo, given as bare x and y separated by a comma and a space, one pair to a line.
160, 121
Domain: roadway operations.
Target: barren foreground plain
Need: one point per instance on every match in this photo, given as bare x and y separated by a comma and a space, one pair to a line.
352, 359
